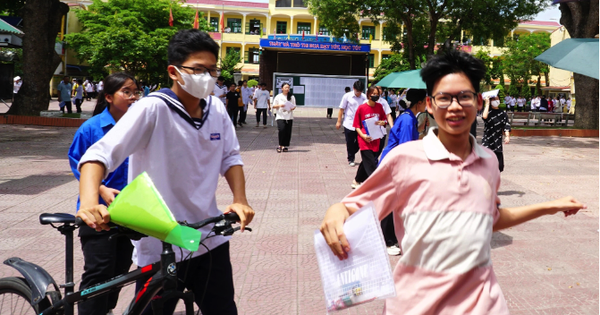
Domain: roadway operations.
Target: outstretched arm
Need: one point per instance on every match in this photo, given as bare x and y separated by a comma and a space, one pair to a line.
513, 216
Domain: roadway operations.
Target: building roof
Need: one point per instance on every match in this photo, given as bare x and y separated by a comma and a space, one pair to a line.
7, 28
245, 4
540, 23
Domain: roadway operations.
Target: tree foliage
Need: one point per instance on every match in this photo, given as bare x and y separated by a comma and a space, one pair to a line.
519, 62
396, 63
130, 35
229, 65
493, 65
441, 21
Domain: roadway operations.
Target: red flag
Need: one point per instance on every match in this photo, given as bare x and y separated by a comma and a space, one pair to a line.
317, 36
302, 34
222, 23
196, 22
170, 17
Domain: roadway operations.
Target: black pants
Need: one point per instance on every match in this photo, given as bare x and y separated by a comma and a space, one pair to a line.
243, 114
103, 260
218, 298
285, 132
69, 107
520, 108
263, 112
367, 166
78, 102
393, 113
387, 227
500, 157
351, 143
233, 114
329, 112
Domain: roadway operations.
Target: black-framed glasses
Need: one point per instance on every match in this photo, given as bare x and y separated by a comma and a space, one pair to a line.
128, 94
464, 99
214, 72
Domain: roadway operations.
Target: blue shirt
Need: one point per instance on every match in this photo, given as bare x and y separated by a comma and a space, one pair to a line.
89, 133
404, 130
65, 91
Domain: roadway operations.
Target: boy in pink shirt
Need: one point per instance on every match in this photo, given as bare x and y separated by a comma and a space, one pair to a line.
442, 191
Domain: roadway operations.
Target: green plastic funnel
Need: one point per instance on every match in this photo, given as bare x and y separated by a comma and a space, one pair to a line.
141, 208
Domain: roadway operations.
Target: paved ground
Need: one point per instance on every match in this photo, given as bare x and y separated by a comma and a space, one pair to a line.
549, 266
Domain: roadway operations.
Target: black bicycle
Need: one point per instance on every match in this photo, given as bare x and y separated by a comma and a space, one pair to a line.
37, 292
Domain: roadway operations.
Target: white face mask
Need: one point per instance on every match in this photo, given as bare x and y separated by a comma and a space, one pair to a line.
198, 86
495, 103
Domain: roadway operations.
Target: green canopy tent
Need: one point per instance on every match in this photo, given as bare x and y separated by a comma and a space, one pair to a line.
405, 79
579, 55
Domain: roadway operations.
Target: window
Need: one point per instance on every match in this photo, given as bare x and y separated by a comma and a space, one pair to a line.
253, 56
303, 27
299, 4
281, 27
253, 27
385, 57
383, 33
371, 61
214, 24
324, 31
368, 30
283, 3
234, 26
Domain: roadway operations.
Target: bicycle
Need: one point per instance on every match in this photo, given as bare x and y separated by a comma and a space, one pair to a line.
37, 292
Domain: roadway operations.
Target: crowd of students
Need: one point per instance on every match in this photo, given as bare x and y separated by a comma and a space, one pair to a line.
540, 103
441, 192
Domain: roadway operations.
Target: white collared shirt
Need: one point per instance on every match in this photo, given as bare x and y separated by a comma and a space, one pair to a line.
183, 157
349, 104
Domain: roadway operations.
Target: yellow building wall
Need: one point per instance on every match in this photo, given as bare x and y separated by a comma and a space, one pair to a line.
559, 77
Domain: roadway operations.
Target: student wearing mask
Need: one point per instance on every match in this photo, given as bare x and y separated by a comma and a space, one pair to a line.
495, 124
104, 258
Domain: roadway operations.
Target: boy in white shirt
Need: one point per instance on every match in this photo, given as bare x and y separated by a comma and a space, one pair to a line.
261, 103
348, 105
183, 138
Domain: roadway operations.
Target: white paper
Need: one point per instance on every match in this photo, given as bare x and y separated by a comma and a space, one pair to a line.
373, 130
288, 106
298, 89
491, 93
366, 274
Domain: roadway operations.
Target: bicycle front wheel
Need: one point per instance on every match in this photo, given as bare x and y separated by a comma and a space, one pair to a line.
15, 297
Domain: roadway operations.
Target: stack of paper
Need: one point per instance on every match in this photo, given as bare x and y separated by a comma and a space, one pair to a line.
288, 106
373, 130
366, 274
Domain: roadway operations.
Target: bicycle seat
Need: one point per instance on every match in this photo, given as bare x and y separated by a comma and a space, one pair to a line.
56, 218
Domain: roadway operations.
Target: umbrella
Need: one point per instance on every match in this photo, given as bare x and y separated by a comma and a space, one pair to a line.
405, 79
579, 55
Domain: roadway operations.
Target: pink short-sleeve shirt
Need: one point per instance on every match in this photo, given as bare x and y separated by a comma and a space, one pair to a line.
444, 212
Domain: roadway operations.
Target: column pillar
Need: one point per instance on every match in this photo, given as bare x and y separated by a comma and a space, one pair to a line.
315, 26
291, 25
380, 32
268, 24
244, 25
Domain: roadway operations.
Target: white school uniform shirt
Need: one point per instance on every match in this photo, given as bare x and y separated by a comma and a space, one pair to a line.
247, 95
220, 92
183, 156
520, 102
512, 101
386, 106
100, 86
349, 104
261, 96
280, 99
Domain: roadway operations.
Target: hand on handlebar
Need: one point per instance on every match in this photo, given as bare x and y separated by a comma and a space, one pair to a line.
96, 217
245, 213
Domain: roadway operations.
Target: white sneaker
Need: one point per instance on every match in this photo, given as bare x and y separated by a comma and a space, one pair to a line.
352, 164
394, 250
355, 184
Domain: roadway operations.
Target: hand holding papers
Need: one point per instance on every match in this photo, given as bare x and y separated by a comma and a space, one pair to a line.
373, 130
490, 94
288, 106
366, 274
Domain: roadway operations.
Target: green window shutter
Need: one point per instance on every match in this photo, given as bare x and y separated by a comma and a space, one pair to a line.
303, 27
371, 61
368, 30
281, 27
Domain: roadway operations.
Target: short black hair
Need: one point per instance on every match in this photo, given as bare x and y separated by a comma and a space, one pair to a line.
240, 82
263, 84
347, 89
220, 78
188, 41
453, 61
359, 86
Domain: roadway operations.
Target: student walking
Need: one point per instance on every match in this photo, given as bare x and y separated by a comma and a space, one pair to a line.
246, 94
64, 94
348, 105
369, 148
232, 99
495, 124
443, 193
104, 257
284, 105
78, 94
262, 104
192, 143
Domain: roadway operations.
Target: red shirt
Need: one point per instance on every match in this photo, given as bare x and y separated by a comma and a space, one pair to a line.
363, 112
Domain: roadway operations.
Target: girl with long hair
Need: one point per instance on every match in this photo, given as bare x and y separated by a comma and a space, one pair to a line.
284, 105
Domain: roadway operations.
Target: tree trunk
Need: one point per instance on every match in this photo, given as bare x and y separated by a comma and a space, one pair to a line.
433, 22
581, 21
42, 22
586, 105
411, 43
